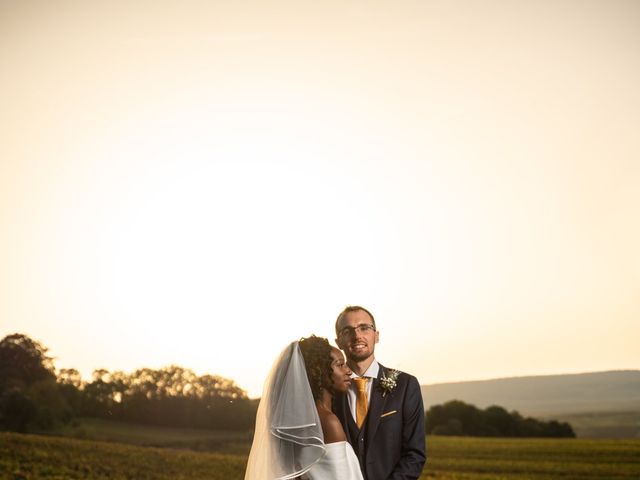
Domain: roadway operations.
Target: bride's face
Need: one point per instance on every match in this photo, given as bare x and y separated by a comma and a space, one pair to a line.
340, 372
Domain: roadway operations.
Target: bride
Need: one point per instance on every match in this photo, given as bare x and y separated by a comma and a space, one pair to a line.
297, 435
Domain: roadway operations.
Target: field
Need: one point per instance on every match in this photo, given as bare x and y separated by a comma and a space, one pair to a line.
218, 441
26, 457
476, 458
613, 424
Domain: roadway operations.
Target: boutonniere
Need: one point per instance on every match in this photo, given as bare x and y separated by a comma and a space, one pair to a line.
389, 381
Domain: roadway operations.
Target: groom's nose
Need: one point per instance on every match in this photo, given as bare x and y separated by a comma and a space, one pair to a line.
357, 334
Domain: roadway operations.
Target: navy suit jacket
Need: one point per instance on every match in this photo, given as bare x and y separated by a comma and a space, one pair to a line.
391, 443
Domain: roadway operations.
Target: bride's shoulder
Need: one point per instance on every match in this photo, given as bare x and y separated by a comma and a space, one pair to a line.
331, 428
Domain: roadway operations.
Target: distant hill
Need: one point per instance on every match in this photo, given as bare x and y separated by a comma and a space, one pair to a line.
592, 402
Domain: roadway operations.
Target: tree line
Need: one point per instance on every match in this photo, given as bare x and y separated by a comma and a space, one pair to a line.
460, 418
33, 395
36, 396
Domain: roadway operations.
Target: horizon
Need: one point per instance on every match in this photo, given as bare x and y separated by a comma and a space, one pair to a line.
201, 184
87, 377
86, 373
624, 370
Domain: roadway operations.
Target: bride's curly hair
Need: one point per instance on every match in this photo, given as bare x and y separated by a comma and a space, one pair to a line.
316, 352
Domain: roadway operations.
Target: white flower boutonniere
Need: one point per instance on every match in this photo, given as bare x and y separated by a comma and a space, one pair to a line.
388, 382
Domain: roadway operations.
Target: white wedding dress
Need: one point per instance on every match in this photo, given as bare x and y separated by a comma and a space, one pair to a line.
338, 463
288, 442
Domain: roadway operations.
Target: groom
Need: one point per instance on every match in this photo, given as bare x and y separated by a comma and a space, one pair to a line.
382, 414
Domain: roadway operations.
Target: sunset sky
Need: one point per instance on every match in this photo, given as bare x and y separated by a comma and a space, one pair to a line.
199, 183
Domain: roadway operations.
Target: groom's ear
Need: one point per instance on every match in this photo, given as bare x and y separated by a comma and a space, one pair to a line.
377, 336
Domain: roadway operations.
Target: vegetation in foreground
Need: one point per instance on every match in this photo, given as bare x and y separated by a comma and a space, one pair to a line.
472, 458
27, 457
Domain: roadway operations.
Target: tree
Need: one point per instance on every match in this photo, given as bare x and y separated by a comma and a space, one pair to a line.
50, 405
33, 397
171, 396
70, 385
29, 395
458, 418
16, 410
23, 361
501, 422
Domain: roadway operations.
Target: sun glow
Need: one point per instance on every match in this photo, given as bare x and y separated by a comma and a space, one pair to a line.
203, 185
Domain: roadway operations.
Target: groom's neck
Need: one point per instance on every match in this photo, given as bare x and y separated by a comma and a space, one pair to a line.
359, 367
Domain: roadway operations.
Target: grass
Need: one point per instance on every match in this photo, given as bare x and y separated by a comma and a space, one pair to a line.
27, 457
219, 441
603, 424
467, 458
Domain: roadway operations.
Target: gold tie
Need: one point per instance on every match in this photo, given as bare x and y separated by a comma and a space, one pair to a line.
362, 401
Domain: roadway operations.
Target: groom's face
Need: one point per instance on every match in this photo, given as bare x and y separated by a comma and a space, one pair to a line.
357, 341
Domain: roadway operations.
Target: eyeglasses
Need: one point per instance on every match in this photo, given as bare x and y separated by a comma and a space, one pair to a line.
362, 329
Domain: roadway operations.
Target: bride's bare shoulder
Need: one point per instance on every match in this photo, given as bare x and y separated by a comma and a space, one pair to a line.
331, 428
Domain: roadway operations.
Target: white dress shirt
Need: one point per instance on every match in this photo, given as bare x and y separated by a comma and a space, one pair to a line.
371, 373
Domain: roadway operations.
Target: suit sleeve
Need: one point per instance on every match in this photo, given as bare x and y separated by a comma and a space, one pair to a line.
413, 455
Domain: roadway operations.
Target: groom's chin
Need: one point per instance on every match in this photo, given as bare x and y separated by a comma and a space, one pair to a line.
359, 357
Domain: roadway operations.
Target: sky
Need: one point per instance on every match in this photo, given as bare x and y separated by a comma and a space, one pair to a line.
200, 183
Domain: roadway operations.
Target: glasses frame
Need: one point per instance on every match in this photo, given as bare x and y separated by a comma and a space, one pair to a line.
363, 329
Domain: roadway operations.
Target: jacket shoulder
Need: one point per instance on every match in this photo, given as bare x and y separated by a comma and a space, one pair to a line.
402, 375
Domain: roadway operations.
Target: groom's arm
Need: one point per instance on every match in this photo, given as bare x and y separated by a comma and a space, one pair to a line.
413, 454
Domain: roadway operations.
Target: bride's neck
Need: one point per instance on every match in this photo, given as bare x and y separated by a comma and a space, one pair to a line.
325, 400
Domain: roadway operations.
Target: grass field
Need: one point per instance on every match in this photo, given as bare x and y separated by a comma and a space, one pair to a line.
602, 424
26, 457
484, 458
218, 441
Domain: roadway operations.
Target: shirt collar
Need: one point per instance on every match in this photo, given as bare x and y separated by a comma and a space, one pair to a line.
372, 371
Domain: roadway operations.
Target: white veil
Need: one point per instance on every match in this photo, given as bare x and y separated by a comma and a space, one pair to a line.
288, 437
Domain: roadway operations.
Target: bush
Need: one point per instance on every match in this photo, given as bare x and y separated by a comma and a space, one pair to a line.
459, 418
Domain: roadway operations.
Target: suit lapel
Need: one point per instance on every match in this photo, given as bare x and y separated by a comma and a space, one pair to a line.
376, 407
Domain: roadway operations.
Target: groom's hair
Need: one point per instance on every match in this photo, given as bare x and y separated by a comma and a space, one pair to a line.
349, 309
316, 352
